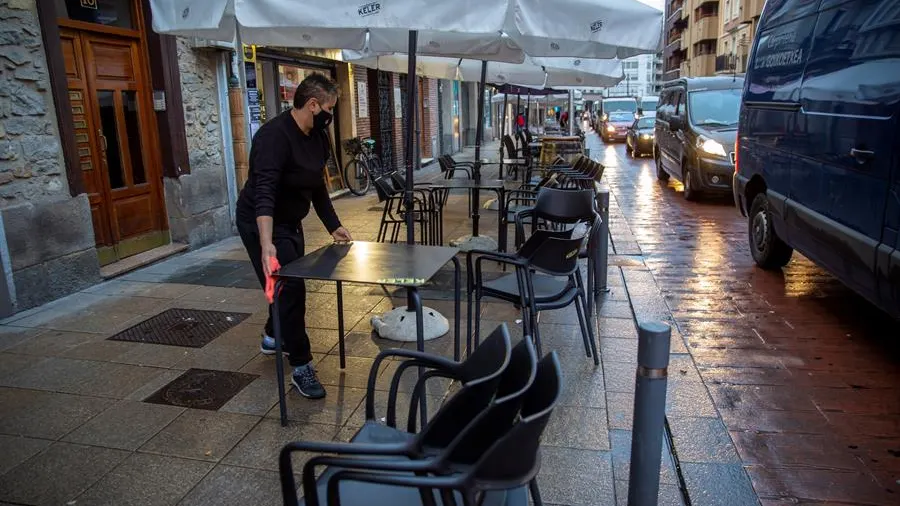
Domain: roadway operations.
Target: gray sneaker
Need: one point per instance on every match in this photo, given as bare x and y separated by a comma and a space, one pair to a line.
304, 378
267, 346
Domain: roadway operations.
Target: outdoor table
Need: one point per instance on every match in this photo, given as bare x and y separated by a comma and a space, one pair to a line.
403, 265
497, 186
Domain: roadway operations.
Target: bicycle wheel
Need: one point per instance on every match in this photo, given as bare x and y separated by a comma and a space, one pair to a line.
356, 177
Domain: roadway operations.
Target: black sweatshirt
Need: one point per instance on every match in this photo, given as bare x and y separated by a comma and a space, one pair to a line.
286, 175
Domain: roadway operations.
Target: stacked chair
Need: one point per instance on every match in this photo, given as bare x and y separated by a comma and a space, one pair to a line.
426, 211
546, 275
480, 447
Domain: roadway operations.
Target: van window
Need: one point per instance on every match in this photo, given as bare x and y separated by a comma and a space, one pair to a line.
715, 108
776, 65
854, 69
610, 106
679, 107
779, 12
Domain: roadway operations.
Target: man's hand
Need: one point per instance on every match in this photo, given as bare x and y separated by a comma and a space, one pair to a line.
341, 235
268, 251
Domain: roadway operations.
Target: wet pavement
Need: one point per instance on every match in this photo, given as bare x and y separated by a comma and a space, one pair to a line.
781, 385
804, 373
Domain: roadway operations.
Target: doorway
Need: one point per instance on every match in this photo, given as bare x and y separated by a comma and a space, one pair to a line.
109, 93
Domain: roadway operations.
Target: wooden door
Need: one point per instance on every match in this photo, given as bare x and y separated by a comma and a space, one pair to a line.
111, 108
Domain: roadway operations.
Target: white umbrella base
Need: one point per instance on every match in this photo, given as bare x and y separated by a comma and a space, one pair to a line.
470, 242
492, 204
399, 324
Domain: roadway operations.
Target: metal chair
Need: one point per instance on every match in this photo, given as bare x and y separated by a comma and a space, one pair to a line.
546, 277
493, 461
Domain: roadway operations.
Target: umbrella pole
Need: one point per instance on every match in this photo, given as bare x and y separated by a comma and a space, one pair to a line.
411, 89
503, 153
479, 135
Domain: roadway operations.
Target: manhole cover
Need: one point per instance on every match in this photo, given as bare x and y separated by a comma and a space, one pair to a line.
202, 389
192, 328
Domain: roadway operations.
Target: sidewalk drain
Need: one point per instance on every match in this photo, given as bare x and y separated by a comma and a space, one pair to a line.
192, 328
202, 389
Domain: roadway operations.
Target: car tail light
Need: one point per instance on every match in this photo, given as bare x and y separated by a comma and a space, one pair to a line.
736, 151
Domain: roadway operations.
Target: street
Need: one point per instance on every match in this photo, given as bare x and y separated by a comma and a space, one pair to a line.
805, 373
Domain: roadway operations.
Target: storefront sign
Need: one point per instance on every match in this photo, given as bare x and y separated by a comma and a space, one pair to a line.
398, 104
362, 96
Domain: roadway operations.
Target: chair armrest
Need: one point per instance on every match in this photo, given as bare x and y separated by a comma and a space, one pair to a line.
424, 359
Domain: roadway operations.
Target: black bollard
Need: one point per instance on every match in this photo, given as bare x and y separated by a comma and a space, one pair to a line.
602, 264
649, 413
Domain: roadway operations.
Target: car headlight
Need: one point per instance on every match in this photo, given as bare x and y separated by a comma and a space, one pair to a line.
610, 128
646, 136
711, 146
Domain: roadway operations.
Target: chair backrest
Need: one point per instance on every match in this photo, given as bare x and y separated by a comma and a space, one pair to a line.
512, 460
384, 188
444, 163
564, 206
520, 138
509, 147
554, 252
489, 425
399, 180
480, 375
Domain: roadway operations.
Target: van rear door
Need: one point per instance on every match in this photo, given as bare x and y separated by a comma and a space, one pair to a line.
850, 99
888, 262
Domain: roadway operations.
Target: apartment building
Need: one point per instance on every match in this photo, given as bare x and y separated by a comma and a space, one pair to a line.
641, 77
739, 22
692, 38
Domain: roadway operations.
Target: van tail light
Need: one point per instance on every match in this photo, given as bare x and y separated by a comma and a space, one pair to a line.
734, 157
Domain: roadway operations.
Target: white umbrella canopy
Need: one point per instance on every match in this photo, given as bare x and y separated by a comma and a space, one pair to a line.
586, 72
437, 67
460, 28
585, 28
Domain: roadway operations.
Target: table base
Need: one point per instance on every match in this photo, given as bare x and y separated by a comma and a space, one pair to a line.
479, 242
399, 324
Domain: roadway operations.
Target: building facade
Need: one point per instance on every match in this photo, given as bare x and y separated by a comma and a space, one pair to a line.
642, 75
739, 21
119, 146
708, 37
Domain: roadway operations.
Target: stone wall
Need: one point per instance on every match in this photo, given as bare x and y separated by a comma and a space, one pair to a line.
48, 234
31, 161
198, 202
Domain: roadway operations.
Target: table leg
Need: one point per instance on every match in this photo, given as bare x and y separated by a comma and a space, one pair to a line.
475, 214
416, 299
340, 311
501, 220
456, 301
279, 358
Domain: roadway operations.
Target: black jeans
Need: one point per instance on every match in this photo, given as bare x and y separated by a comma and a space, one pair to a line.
292, 299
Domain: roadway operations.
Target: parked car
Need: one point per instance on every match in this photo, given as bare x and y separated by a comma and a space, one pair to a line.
695, 130
818, 157
640, 138
608, 106
616, 126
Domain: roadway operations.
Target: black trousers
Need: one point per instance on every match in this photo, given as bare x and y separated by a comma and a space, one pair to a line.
292, 299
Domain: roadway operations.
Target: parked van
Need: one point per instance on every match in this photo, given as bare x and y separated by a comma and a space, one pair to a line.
648, 106
818, 156
695, 126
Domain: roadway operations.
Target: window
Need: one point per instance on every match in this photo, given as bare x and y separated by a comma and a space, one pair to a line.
715, 108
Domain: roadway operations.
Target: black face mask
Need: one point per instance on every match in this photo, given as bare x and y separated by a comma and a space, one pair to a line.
322, 120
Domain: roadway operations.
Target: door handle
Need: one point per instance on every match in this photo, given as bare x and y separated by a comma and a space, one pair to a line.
862, 155
102, 139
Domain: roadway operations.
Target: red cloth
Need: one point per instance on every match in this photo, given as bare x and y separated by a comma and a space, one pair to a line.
521, 120
270, 280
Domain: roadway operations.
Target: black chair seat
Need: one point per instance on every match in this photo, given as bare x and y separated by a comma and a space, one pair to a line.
546, 288
378, 433
374, 494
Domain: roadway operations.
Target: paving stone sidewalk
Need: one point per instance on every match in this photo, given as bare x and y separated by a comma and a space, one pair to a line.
80, 424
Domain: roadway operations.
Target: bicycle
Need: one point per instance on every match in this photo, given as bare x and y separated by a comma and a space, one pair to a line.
365, 165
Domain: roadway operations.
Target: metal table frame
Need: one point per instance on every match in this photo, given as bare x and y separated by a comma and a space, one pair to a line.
411, 284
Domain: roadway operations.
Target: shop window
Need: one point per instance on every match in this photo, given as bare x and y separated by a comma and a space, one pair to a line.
116, 13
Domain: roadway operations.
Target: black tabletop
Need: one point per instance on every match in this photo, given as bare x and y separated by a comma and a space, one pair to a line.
472, 184
372, 263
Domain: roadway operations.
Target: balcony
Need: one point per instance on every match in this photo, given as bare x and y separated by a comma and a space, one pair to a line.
672, 74
686, 69
706, 28
750, 10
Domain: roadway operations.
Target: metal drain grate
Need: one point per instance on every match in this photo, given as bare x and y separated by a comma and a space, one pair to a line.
192, 328
202, 389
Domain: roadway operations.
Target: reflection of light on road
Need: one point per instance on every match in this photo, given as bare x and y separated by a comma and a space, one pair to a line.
709, 248
799, 284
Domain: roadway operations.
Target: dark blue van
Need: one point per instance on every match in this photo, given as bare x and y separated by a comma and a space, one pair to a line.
818, 143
